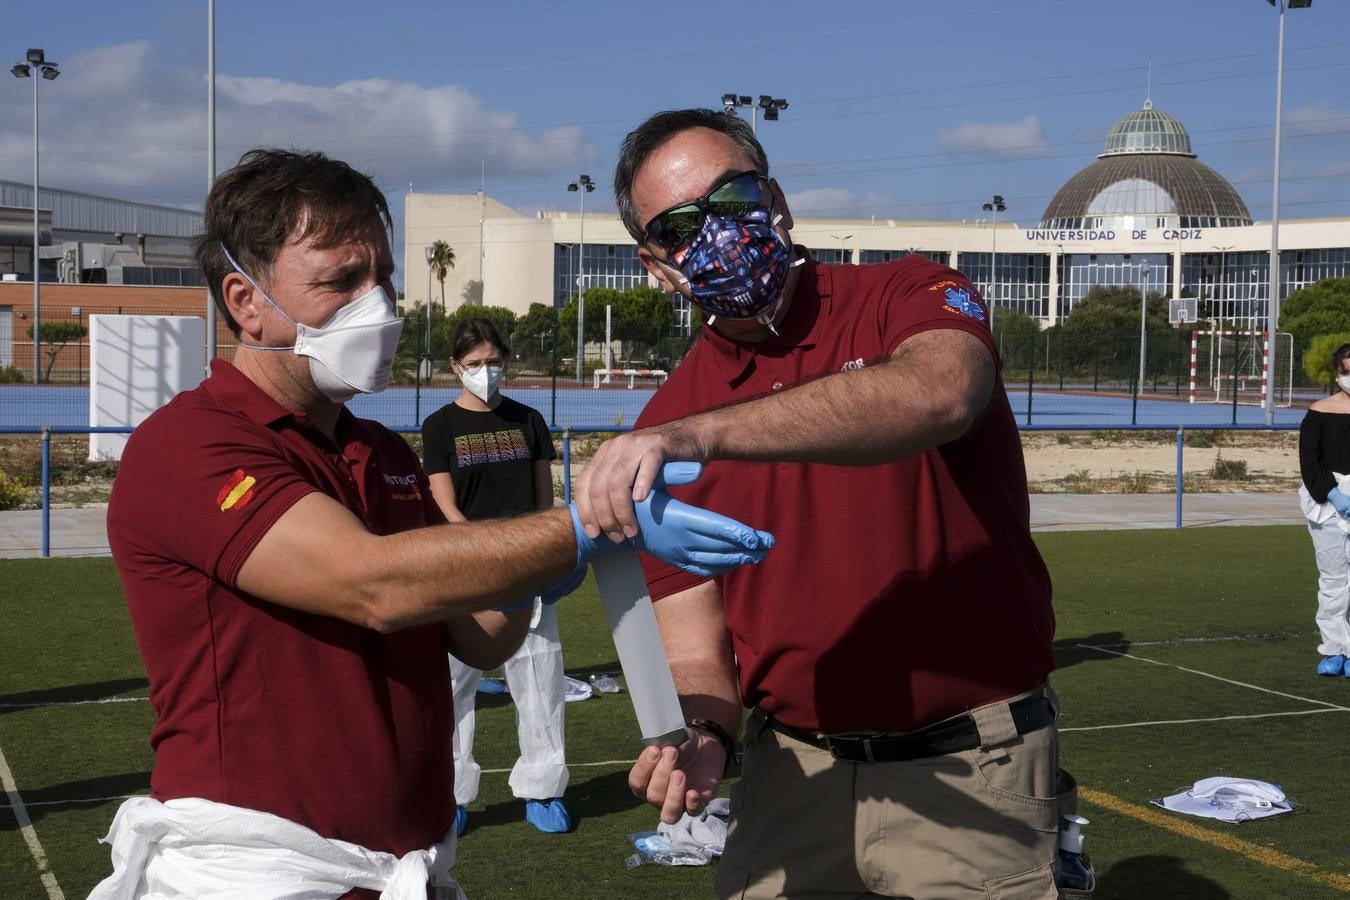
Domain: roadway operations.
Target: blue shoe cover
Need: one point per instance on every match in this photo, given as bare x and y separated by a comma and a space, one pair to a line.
492, 686
1331, 665
549, 816
461, 820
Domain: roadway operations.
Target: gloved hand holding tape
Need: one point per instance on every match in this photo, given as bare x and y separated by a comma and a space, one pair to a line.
694, 539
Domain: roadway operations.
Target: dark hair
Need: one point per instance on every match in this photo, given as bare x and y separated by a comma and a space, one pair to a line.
469, 333
1341, 354
648, 137
274, 196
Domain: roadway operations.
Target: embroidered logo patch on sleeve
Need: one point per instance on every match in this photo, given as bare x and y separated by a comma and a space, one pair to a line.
958, 301
237, 492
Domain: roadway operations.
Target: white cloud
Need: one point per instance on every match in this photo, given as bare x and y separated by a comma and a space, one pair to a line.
836, 203
1317, 118
119, 124
1009, 139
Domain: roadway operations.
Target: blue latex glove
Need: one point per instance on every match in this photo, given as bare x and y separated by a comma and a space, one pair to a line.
552, 594
696, 540
1340, 501
569, 584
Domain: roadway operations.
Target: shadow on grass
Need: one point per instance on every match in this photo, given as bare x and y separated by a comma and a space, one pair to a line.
1158, 878
86, 792
97, 690
595, 797
1072, 651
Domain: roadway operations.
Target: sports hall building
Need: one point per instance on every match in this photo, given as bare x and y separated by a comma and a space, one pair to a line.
1147, 210
96, 255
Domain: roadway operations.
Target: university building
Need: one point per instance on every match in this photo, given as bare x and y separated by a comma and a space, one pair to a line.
1146, 211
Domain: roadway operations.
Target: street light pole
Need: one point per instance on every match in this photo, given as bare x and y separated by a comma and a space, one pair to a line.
1272, 304
994, 206
35, 65
843, 251
583, 185
1223, 265
431, 271
210, 161
1143, 314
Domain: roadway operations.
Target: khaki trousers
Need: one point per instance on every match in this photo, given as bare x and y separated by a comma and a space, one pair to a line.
979, 823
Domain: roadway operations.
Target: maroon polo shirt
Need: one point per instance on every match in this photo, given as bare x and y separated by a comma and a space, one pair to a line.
326, 723
898, 594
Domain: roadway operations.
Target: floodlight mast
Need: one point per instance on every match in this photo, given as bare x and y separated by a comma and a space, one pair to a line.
582, 186
995, 206
36, 63
1272, 304
772, 106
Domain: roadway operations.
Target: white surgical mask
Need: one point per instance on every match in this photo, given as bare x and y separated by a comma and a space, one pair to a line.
1344, 383
352, 352
484, 382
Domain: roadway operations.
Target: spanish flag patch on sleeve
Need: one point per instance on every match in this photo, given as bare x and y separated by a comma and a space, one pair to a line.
237, 491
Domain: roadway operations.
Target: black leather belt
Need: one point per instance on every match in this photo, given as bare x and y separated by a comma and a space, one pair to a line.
959, 733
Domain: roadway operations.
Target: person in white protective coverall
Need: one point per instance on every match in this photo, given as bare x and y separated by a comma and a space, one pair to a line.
487, 457
1324, 462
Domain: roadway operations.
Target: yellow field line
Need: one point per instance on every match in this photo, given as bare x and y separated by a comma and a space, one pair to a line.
1257, 854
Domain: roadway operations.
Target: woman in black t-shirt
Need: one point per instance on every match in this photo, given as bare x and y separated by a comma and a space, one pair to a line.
1324, 460
488, 457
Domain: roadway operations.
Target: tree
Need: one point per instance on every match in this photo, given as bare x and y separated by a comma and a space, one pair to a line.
1320, 308
1103, 329
640, 318
1317, 358
55, 336
534, 334
442, 261
444, 330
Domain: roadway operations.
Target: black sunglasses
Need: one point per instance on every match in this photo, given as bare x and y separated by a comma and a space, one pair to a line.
732, 199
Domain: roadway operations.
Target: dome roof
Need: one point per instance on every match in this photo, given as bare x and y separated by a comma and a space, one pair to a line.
1147, 174
1148, 130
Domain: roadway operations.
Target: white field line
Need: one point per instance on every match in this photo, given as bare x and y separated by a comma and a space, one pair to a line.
1145, 724
1269, 636
73, 703
29, 834
1254, 687
612, 763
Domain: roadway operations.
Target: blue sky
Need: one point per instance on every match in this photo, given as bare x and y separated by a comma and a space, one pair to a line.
897, 109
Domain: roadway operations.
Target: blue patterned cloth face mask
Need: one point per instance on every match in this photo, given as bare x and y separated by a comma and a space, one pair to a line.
737, 268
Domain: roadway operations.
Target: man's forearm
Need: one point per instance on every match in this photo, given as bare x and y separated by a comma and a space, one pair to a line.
928, 393
453, 570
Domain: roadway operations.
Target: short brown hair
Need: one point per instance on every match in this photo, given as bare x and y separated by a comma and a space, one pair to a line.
648, 137
274, 196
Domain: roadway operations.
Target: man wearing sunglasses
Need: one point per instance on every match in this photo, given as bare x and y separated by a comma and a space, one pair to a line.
893, 650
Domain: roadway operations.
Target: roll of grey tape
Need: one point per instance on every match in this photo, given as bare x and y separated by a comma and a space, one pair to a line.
637, 638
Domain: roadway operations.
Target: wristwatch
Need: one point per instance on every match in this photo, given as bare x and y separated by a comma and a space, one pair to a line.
720, 733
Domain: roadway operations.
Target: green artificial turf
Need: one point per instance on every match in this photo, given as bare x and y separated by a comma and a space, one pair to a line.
1182, 654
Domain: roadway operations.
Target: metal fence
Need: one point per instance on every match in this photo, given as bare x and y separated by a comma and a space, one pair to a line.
1053, 377
567, 435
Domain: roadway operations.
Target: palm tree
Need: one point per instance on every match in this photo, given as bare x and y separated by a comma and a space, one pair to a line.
442, 261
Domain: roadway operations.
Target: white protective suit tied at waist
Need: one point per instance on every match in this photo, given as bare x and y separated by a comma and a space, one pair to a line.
1322, 513
196, 848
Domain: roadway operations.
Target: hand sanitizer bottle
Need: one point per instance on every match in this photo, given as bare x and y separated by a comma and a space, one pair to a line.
1075, 871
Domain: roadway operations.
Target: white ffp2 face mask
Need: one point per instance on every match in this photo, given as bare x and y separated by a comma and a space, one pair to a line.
483, 382
352, 352
1344, 383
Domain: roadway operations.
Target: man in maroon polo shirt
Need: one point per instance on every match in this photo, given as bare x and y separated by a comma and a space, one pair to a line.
895, 647
292, 608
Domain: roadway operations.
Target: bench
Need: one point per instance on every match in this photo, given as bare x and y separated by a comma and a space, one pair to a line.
632, 374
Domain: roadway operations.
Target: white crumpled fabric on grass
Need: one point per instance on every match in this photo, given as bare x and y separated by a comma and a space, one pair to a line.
1228, 799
